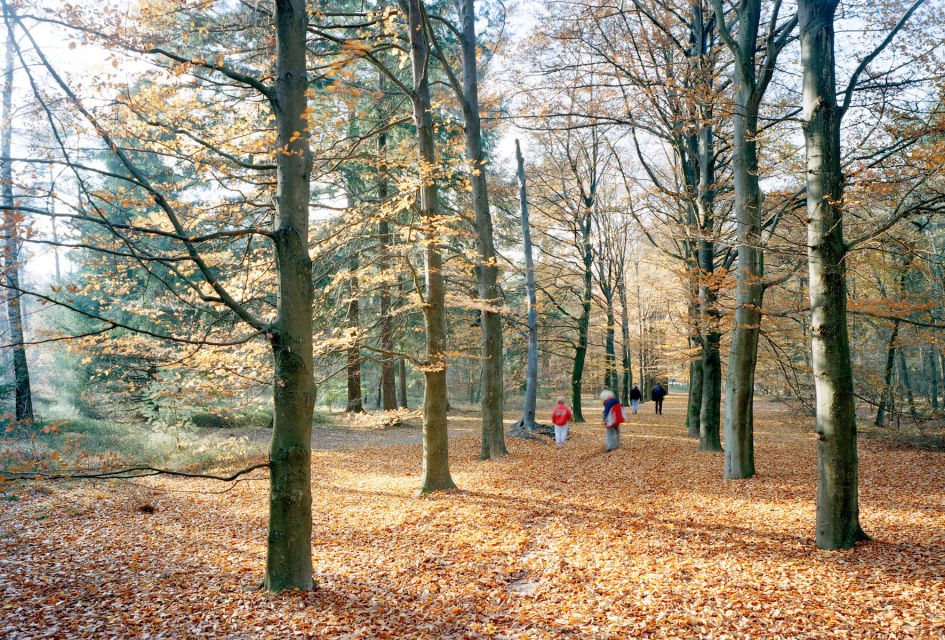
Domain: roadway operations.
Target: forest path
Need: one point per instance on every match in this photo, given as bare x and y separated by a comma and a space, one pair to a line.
338, 434
645, 541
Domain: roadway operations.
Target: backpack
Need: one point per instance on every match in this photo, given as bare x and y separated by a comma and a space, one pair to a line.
618, 415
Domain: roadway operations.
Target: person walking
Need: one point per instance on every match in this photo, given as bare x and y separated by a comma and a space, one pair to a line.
657, 394
613, 417
561, 419
635, 397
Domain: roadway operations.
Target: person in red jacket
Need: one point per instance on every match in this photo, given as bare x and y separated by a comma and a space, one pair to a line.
613, 418
561, 418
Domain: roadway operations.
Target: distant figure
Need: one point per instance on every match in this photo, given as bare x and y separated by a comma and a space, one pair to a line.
657, 394
613, 417
561, 418
635, 397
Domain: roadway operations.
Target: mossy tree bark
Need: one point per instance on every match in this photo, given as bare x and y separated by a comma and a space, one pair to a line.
289, 552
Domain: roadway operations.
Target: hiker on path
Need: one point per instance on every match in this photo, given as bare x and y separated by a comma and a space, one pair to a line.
613, 417
635, 397
561, 418
657, 394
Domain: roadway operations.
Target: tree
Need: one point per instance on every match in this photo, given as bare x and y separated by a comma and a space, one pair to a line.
527, 421
23, 395
289, 558
751, 83
838, 523
436, 470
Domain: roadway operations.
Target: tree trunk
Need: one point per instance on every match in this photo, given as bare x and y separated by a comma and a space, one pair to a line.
746, 329
627, 381
694, 402
906, 382
388, 391
531, 377
610, 349
23, 395
289, 553
838, 511
709, 411
887, 376
580, 352
932, 377
492, 385
52, 221
402, 383
641, 334
355, 399
436, 469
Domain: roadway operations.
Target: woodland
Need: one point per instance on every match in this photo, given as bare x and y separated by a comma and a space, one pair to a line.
290, 289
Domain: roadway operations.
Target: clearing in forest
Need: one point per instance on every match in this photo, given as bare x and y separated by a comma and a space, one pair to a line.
648, 541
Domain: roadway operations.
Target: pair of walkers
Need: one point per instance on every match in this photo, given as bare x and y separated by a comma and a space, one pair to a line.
612, 417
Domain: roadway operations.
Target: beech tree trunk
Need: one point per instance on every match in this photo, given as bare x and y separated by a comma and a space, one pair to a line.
289, 552
838, 511
626, 360
23, 395
743, 352
610, 347
694, 401
580, 352
492, 383
531, 377
709, 412
906, 382
932, 378
884, 397
436, 469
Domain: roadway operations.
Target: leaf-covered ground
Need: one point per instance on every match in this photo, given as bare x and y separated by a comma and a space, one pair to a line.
647, 541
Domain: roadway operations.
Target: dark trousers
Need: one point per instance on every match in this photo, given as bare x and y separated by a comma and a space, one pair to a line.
659, 406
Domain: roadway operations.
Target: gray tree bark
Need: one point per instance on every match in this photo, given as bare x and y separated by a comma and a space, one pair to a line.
492, 381
527, 421
22, 391
746, 330
838, 510
887, 376
932, 365
906, 381
626, 360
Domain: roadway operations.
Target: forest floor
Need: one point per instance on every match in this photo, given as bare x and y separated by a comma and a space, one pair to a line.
647, 541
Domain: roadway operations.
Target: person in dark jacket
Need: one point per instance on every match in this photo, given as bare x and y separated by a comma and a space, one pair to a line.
657, 394
635, 397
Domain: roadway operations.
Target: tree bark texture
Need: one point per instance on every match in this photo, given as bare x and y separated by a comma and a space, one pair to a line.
385, 239
289, 552
580, 351
436, 469
492, 381
531, 376
23, 395
838, 511
743, 351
